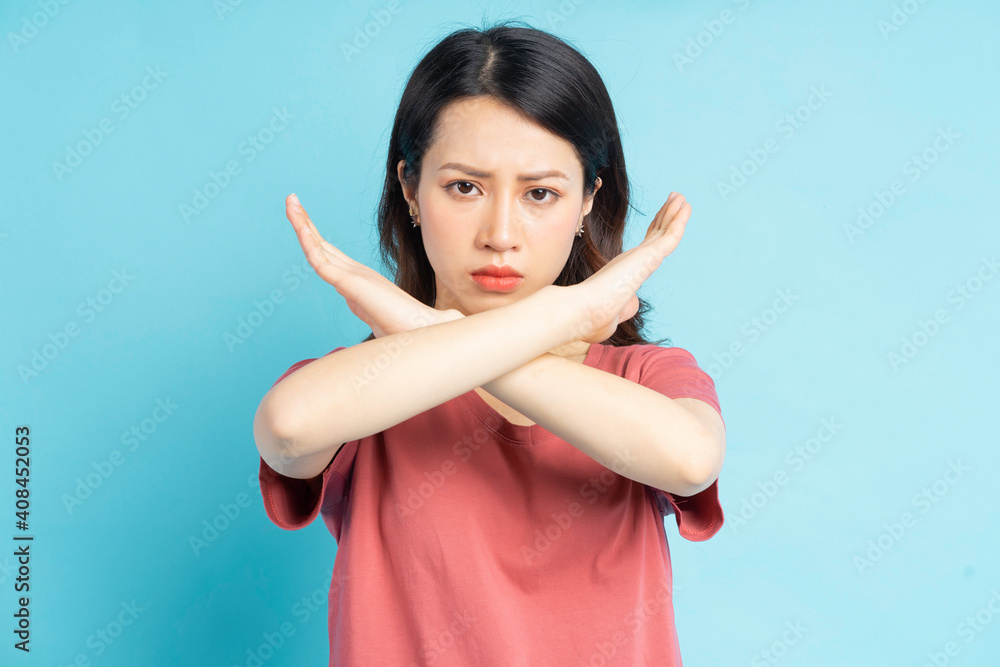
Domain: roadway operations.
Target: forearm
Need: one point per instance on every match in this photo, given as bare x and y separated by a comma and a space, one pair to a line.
631, 429
374, 385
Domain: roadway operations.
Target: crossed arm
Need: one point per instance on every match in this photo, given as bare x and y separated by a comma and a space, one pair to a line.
676, 445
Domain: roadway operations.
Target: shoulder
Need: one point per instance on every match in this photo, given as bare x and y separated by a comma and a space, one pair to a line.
648, 355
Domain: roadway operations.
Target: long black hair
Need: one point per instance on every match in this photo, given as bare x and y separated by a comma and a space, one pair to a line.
551, 83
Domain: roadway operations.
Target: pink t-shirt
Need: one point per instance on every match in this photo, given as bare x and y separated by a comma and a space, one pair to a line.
464, 539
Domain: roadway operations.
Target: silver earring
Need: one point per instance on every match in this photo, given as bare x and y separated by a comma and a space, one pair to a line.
412, 219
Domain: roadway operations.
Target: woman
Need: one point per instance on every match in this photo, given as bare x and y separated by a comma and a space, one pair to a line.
496, 459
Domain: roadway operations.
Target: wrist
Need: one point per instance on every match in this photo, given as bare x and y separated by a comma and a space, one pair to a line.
562, 307
431, 316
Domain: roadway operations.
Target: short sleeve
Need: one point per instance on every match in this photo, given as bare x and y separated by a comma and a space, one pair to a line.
288, 501
673, 372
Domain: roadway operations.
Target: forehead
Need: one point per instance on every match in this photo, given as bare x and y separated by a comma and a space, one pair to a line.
487, 134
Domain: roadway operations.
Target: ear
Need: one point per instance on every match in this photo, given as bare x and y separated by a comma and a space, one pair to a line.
407, 194
588, 204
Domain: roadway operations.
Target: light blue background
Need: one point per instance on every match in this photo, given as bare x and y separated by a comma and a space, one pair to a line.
782, 559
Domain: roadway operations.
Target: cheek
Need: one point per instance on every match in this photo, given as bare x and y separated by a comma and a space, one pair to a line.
548, 254
443, 246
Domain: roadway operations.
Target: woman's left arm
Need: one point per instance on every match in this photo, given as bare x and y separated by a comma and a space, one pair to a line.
675, 445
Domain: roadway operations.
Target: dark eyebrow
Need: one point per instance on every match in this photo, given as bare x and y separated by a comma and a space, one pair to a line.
485, 174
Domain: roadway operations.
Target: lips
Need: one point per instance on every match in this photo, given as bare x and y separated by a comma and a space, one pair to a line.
496, 271
497, 283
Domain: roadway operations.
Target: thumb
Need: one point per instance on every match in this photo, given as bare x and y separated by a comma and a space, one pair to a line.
631, 308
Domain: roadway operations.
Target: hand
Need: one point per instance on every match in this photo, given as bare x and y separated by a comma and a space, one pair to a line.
374, 299
609, 296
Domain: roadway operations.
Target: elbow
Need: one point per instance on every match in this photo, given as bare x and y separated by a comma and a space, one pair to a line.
705, 474
698, 483
274, 437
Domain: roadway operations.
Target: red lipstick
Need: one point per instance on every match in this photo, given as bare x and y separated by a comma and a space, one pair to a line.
497, 278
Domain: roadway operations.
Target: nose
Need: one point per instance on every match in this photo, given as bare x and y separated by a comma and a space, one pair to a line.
500, 228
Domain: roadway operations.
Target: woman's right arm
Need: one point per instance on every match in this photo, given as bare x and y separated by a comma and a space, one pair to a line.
364, 389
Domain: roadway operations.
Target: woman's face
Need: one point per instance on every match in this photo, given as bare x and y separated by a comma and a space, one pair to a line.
496, 189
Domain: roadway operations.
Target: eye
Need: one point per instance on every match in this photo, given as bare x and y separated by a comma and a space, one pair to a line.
544, 191
451, 185
536, 195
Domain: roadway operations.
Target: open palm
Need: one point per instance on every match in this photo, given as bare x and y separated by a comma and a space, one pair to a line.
609, 296
372, 297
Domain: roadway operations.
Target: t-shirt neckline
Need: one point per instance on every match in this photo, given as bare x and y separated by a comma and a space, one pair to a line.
521, 434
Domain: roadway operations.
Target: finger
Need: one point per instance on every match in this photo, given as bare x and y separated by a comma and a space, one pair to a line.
680, 216
310, 241
310, 237
676, 227
656, 223
663, 218
299, 218
297, 215
312, 249
664, 207
667, 211
673, 206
